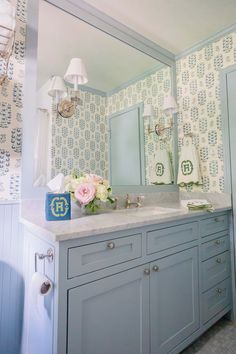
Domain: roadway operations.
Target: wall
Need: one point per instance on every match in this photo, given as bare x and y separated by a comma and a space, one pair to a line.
150, 90
11, 94
11, 280
198, 94
11, 238
80, 143
198, 99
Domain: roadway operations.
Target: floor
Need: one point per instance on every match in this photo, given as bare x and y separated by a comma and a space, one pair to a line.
220, 339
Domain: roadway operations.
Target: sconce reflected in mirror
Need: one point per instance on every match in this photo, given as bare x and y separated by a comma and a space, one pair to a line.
68, 99
7, 35
169, 107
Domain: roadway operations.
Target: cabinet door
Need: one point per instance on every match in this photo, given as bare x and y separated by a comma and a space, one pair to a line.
174, 300
111, 315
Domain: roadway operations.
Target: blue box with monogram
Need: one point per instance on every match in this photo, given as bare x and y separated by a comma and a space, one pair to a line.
58, 206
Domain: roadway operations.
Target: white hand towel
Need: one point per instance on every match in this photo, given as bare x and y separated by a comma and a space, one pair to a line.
189, 168
7, 21
5, 33
42, 153
161, 171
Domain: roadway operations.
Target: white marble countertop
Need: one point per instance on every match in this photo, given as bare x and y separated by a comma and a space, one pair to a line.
33, 218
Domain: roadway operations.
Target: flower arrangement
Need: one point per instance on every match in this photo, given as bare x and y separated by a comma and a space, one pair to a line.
88, 190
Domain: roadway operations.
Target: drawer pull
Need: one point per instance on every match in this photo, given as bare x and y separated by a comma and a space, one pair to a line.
217, 220
219, 290
111, 245
146, 271
155, 268
218, 260
217, 242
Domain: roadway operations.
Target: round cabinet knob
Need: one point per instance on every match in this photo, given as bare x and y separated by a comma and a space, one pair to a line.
217, 219
146, 271
217, 242
219, 291
111, 245
218, 260
155, 268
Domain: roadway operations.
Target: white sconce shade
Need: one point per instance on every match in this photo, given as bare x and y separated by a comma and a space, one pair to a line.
76, 73
7, 23
57, 88
170, 105
148, 111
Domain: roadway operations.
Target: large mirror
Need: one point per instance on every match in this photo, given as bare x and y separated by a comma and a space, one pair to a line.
115, 121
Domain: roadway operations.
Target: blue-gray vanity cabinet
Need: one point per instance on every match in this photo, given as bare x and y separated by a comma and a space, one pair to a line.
100, 255
148, 290
174, 300
215, 269
216, 299
214, 224
110, 315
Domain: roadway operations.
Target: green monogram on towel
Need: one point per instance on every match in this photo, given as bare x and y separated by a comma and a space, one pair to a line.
187, 167
160, 169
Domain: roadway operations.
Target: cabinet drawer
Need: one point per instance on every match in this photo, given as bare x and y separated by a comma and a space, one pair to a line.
88, 258
214, 247
215, 269
159, 240
216, 299
213, 225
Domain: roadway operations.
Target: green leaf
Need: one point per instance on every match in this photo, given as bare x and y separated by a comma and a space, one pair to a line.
111, 200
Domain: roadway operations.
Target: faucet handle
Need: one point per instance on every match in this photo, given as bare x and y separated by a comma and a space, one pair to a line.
140, 199
127, 201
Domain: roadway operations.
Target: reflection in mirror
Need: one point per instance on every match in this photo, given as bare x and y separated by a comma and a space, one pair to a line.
76, 113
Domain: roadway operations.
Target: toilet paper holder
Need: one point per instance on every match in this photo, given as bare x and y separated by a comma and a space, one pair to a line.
41, 256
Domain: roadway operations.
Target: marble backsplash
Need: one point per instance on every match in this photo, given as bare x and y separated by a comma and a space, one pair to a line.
165, 199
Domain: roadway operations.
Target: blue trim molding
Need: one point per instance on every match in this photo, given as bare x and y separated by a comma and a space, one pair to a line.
199, 45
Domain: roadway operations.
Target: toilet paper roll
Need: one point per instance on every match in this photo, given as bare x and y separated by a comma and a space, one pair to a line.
41, 284
40, 287
40, 299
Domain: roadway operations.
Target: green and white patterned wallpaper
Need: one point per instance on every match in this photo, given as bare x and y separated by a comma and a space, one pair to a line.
150, 90
80, 143
198, 93
198, 96
11, 95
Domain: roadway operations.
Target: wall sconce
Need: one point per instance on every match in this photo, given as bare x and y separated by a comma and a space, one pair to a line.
67, 102
7, 33
57, 89
169, 107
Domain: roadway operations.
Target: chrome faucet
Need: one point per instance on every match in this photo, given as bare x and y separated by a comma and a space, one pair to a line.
129, 203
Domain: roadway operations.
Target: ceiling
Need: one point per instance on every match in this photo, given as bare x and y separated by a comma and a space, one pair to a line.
173, 24
109, 62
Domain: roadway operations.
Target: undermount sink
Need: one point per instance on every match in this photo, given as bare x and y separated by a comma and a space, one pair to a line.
149, 211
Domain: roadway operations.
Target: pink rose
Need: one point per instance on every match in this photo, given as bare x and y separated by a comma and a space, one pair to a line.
85, 192
95, 179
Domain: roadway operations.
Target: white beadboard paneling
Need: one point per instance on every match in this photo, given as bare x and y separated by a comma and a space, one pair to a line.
11, 279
